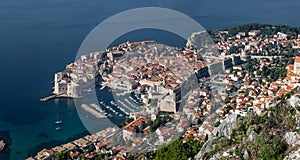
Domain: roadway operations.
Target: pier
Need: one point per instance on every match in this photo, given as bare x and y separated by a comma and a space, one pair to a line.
48, 98
56, 96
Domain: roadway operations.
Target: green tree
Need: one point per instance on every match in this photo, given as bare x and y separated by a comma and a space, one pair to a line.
61, 156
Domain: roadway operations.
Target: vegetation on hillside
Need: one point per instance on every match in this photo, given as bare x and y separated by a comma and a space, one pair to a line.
267, 30
176, 150
272, 72
267, 133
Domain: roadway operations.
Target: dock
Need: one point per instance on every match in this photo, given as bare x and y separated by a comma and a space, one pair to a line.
48, 98
56, 96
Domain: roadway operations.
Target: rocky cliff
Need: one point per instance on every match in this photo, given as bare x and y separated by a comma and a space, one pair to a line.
223, 130
2, 145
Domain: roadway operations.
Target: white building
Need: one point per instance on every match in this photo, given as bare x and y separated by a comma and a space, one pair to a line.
65, 86
297, 65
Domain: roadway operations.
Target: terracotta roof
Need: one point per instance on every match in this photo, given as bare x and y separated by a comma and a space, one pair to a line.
118, 158
136, 123
73, 154
297, 59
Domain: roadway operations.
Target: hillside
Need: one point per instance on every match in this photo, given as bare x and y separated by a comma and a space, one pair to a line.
273, 135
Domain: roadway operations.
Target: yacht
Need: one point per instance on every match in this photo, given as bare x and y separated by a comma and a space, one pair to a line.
58, 122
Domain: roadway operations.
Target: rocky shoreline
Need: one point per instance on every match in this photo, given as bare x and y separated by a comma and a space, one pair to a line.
2, 145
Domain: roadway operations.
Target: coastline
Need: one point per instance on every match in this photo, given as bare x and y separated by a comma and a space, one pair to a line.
2, 145
36, 149
31, 30
7, 140
225, 117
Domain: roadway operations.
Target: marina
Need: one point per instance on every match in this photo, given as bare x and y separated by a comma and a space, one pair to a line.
113, 110
126, 106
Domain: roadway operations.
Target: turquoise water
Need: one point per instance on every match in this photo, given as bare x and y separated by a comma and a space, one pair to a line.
38, 38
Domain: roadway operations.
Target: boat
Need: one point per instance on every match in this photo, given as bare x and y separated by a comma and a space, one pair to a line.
113, 103
58, 128
94, 105
89, 90
58, 122
100, 110
102, 87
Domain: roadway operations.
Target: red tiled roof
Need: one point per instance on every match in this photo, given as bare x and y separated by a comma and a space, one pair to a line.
138, 122
297, 59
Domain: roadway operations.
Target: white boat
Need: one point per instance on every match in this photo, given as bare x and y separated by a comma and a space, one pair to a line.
89, 90
58, 128
98, 109
102, 87
94, 105
58, 122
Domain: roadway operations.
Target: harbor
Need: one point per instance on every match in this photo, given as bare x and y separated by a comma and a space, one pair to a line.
116, 110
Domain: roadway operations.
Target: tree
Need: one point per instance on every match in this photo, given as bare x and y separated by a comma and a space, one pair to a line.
233, 49
61, 156
178, 150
